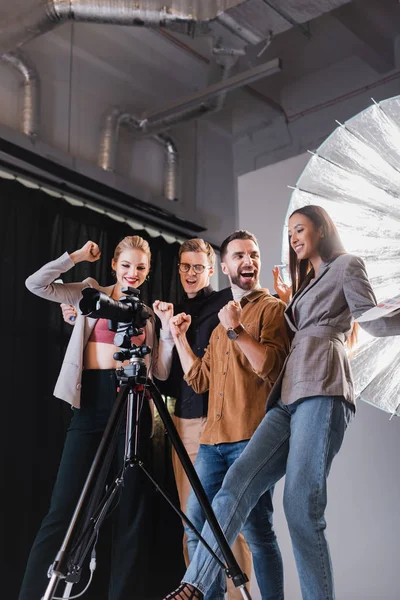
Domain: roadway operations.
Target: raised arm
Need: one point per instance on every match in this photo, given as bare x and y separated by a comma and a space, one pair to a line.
179, 325
42, 283
360, 298
196, 370
267, 354
165, 346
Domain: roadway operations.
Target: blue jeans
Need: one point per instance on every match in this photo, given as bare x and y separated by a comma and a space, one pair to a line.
212, 464
299, 440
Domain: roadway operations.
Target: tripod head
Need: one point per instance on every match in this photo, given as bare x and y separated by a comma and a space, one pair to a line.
136, 371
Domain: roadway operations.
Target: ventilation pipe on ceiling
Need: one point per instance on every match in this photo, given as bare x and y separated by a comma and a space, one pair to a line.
171, 166
109, 139
109, 136
31, 91
246, 34
226, 59
117, 117
43, 16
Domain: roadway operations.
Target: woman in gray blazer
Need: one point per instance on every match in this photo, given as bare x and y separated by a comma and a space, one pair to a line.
87, 381
308, 409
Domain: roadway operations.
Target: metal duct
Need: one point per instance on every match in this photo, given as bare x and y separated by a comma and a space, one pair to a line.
249, 20
31, 91
226, 59
246, 34
109, 148
117, 117
171, 167
43, 16
109, 136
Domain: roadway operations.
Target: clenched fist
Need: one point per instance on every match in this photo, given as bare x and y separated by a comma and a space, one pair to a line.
68, 313
179, 324
90, 252
230, 314
164, 311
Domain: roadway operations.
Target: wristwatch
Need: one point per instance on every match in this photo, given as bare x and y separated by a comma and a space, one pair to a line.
234, 332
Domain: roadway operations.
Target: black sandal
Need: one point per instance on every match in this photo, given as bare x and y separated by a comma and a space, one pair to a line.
185, 591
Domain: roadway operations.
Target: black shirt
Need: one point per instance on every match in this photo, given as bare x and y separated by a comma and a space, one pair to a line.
203, 309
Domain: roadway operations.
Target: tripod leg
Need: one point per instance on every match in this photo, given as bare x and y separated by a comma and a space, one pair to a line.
132, 434
233, 570
52, 586
79, 521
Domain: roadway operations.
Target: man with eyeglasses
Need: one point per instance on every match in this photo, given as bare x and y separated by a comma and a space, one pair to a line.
202, 303
242, 361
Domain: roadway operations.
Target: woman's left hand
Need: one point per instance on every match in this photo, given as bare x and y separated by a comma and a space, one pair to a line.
164, 311
283, 290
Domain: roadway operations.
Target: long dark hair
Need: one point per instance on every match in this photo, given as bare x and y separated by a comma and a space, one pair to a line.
329, 247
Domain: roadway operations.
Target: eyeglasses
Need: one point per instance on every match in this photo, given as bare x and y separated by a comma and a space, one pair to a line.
185, 268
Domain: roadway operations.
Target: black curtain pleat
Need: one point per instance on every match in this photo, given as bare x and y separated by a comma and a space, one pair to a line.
34, 229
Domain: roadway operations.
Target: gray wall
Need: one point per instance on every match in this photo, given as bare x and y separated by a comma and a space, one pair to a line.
263, 199
312, 98
364, 486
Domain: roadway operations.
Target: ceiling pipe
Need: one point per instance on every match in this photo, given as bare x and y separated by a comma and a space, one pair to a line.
242, 32
44, 15
204, 100
30, 111
118, 117
109, 140
171, 166
109, 137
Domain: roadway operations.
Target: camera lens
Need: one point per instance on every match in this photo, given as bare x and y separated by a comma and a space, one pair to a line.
97, 304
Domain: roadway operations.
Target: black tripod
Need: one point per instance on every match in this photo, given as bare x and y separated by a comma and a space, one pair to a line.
94, 505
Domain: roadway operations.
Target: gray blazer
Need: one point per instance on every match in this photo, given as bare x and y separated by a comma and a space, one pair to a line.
321, 315
68, 386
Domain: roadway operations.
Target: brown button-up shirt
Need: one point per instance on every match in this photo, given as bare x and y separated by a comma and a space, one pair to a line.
238, 393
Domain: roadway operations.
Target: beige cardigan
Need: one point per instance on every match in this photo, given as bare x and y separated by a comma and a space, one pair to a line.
68, 386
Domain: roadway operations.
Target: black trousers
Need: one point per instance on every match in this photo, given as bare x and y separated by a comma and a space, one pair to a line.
131, 518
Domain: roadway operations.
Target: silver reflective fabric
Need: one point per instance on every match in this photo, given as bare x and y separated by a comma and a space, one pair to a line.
355, 176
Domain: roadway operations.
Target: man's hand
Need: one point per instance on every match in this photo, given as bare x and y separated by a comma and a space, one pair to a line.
164, 311
283, 290
68, 313
179, 324
90, 252
230, 314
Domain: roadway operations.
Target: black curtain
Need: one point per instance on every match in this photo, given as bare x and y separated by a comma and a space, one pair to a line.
36, 228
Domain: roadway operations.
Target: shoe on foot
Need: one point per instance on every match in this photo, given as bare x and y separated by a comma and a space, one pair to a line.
185, 591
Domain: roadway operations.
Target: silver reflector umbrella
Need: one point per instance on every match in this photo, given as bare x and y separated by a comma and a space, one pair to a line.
355, 176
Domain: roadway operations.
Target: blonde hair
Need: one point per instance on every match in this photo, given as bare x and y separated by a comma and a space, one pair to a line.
198, 245
132, 242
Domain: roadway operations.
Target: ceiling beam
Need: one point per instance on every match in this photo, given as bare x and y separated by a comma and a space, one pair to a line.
375, 24
212, 91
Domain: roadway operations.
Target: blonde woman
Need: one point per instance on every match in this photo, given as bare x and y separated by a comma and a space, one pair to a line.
87, 381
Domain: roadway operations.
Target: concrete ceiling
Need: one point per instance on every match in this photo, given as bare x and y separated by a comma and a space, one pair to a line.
161, 64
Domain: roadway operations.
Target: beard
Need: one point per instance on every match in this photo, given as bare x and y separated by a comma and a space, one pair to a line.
244, 283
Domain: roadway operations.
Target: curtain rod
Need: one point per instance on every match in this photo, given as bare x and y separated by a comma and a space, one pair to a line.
68, 182
50, 188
